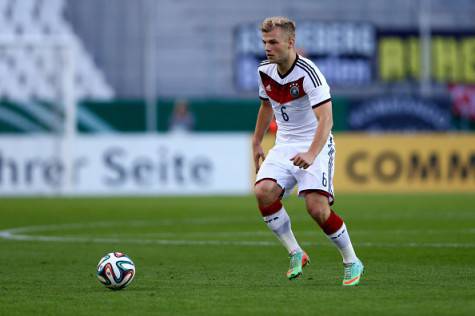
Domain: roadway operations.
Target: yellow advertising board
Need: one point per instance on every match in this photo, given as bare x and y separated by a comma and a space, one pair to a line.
404, 163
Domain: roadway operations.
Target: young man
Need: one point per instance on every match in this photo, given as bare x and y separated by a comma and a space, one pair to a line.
292, 89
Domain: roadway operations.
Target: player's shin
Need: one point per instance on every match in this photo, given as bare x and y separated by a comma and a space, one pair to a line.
277, 219
336, 231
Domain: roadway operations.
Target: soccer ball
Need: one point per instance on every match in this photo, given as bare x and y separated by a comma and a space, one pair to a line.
115, 270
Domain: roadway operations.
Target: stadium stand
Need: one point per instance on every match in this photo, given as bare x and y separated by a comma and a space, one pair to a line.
30, 56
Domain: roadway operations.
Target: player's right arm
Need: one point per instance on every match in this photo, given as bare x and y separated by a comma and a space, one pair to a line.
264, 118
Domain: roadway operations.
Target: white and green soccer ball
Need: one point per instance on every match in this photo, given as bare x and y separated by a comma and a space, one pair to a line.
115, 270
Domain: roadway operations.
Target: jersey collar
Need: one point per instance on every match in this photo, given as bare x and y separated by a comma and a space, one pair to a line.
290, 70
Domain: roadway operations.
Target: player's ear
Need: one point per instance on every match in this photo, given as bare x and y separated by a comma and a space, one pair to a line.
291, 42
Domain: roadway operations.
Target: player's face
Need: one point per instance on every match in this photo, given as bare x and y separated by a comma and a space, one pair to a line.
277, 45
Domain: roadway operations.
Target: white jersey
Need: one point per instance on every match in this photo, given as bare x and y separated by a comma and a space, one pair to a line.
293, 96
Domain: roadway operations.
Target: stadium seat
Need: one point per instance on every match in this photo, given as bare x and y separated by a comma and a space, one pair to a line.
34, 70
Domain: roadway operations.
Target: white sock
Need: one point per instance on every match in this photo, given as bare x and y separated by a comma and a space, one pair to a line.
279, 223
342, 241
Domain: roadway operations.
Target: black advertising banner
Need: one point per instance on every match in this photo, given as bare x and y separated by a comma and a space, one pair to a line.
452, 56
343, 51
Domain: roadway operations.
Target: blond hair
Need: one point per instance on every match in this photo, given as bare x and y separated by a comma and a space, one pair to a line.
279, 21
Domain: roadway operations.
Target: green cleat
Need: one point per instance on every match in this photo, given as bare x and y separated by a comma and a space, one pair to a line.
298, 260
353, 273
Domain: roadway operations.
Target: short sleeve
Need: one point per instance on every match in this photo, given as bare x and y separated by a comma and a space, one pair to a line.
262, 91
316, 88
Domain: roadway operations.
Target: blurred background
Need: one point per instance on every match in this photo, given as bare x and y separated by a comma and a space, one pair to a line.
154, 97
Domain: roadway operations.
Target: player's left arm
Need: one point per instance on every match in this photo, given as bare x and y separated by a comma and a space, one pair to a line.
324, 116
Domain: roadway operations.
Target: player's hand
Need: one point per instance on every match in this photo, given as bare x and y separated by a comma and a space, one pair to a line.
303, 160
258, 154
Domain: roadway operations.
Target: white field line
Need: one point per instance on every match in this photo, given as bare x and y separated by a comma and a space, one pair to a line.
21, 234
304, 233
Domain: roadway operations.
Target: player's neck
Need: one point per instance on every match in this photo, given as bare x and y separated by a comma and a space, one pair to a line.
285, 66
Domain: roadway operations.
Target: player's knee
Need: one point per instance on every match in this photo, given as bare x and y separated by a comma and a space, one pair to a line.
267, 191
319, 211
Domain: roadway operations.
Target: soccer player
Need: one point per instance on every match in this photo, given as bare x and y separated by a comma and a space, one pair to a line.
293, 89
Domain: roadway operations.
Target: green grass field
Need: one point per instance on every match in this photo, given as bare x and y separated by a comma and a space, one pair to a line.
215, 256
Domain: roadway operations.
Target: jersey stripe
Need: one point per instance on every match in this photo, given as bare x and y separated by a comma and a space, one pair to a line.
263, 63
310, 71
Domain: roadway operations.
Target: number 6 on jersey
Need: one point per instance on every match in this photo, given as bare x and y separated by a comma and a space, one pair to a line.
285, 116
